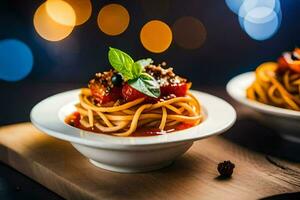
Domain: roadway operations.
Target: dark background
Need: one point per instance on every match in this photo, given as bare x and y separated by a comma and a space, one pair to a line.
70, 63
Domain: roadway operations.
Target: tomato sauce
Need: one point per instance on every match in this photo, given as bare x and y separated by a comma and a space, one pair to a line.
73, 120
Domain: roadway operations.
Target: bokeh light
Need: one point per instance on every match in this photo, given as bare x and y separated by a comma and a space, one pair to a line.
260, 19
50, 29
249, 5
82, 8
16, 60
261, 23
234, 5
268, 7
156, 36
267, 15
189, 32
61, 12
113, 19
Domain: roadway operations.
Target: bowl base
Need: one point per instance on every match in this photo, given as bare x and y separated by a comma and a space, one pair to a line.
125, 169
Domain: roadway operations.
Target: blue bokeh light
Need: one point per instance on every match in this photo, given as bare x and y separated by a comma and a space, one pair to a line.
249, 5
16, 60
260, 19
261, 23
234, 5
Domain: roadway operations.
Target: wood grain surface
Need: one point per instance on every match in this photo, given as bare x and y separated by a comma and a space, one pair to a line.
59, 167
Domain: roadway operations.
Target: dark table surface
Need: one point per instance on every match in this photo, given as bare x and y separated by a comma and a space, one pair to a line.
246, 132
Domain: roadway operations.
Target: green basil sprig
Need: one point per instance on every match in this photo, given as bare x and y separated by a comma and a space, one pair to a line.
122, 62
133, 72
146, 84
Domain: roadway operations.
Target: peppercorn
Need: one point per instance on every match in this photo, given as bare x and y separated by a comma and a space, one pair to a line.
117, 80
226, 168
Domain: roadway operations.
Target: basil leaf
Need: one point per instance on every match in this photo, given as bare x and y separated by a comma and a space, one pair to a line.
145, 62
136, 70
121, 62
146, 84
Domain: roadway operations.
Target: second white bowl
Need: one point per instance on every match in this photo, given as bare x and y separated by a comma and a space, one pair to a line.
285, 122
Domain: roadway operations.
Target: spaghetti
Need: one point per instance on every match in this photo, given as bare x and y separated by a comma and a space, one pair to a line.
277, 84
155, 99
123, 120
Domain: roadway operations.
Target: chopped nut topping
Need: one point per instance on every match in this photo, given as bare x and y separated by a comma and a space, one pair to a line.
104, 79
164, 76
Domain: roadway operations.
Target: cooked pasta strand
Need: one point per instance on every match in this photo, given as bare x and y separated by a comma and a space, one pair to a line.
280, 89
163, 119
123, 119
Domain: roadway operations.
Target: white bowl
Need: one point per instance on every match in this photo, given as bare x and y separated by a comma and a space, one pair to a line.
129, 154
286, 122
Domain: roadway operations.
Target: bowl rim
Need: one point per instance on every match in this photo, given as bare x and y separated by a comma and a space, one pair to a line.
220, 117
236, 88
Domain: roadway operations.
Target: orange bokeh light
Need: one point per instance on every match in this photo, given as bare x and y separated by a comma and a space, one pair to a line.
82, 8
47, 26
113, 19
61, 12
156, 36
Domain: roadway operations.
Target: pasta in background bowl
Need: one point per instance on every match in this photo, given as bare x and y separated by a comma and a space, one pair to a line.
273, 90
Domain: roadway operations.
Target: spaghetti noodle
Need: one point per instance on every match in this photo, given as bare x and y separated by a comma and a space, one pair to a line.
277, 84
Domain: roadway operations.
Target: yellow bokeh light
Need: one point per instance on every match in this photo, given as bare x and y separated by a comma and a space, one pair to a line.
113, 19
61, 12
48, 28
82, 8
189, 32
156, 36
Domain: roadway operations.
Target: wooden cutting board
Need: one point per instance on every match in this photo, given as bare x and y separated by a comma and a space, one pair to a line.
59, 167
